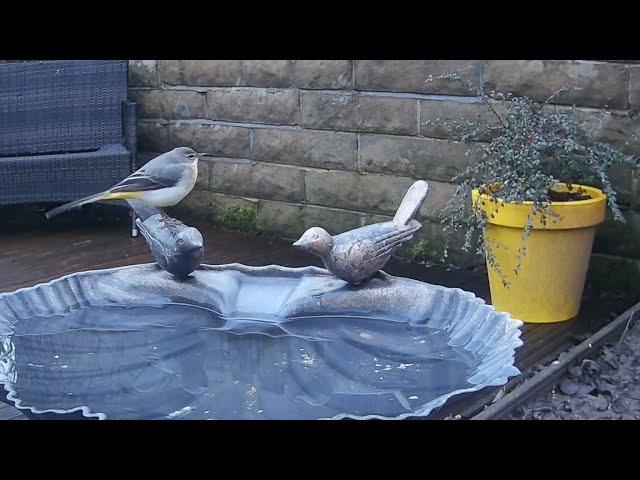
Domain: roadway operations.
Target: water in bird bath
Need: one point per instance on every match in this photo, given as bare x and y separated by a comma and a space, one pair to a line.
185, 362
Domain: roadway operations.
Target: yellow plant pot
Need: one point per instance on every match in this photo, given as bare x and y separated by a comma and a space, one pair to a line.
548, 287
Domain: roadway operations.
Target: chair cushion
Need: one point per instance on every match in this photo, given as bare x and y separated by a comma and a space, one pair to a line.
61, 106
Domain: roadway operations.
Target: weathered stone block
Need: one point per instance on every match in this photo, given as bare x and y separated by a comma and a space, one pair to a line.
169, 104
196, 205
634, 88
211, 73
216, 140
170, 71
359, 113
178, 104
143, 73
314, 148
221, 204
599, 83
152, 137
246, 178
268, 73
452, 119
416, 157
333, 220
371, 218
620, 130
211, 206
352, 190
283, 219
254, 105
322, 74
149, 102
418, 76
202, 183
437, 198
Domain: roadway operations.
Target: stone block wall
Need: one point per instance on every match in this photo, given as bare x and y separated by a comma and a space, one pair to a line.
336, 143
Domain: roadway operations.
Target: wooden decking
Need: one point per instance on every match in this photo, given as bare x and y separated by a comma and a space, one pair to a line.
33, 251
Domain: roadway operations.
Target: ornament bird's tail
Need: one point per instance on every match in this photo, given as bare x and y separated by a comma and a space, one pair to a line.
411, 202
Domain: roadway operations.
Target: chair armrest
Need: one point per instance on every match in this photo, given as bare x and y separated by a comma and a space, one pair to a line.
129, 131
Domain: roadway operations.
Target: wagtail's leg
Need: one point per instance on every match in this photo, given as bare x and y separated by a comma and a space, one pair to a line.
169, 221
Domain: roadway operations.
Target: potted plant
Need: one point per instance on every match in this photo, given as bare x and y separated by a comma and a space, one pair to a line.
532, 202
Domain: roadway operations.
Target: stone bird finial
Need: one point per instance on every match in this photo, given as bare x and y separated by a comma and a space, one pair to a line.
357, 255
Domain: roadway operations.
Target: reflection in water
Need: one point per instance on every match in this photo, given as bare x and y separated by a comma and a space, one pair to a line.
182, 362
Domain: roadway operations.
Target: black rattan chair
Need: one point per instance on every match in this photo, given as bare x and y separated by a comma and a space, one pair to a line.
66, 129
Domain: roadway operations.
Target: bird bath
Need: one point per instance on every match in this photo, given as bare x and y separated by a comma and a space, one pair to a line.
238, 342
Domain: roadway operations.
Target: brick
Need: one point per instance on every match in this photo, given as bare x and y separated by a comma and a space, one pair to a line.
352, 190
284, 219
620, 130
246, 178
170, 71
143, 73
211, 73
600, 83
438, 196
314, 148
451, 119
211, 206
371, 218
415, 157
254, 105
634, 88
359, 113
216, 140
412, 76
196, 205
152, 137
177, 104
149, 103
291, 219
268, 73
204, 174
333, 220
322, 74
169, 104
221, 204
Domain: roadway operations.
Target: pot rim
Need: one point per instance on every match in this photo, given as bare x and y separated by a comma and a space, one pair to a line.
572, 214
597, 196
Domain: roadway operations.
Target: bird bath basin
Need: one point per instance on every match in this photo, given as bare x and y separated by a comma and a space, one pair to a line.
238, 342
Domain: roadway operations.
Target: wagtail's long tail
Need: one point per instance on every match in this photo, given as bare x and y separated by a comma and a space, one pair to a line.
411, 202
106, 195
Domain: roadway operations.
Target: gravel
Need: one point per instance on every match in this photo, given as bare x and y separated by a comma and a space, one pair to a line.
606, 387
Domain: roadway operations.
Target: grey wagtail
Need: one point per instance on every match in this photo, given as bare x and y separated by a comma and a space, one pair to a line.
162, 182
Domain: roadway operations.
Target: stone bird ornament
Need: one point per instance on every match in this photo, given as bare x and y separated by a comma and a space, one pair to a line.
357, 255
176, 247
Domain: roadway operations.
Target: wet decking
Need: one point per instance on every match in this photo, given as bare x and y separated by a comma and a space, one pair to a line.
33, 251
